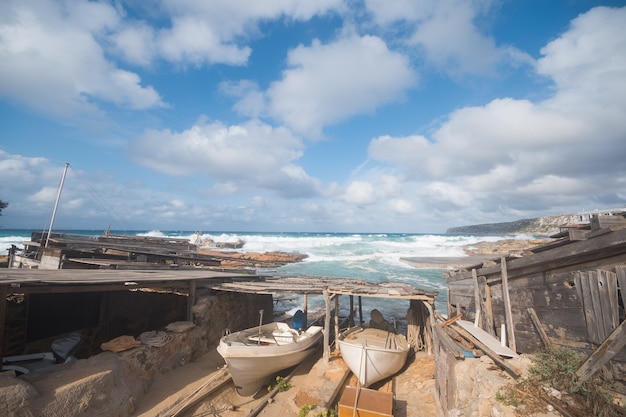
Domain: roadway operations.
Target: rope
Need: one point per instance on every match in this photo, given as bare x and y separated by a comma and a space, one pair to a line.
155, 338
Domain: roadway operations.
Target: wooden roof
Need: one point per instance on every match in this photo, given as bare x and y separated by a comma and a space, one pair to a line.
81, 280
55, 280
317, 285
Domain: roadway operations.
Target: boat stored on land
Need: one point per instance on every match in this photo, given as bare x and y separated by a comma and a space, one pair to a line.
255, 354
373, 354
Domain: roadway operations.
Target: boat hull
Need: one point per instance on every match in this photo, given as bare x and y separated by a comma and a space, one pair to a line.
252, 356
373, 354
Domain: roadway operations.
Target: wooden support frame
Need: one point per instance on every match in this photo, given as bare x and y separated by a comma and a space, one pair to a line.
510, 330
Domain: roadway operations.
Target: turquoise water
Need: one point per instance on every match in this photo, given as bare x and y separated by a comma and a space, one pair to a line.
369, 257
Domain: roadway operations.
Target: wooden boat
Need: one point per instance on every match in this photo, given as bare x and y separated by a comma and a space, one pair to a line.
255, 354
373, 354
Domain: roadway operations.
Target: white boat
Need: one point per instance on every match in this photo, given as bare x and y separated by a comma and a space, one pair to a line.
255, 354
373, 354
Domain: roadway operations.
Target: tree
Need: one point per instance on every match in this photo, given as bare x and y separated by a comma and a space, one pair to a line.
3, 205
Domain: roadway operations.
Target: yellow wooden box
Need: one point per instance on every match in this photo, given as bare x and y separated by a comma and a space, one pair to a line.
371, 403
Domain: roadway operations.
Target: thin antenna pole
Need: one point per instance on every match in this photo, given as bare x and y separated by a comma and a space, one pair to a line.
56, 203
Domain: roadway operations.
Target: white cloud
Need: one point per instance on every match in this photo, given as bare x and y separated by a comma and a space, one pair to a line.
401, 206
52, 60
447, 34
242, 156
380, 187
510, 150
359, 193
202, 32
327, 83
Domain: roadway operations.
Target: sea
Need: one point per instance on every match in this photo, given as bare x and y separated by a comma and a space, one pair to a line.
371, 257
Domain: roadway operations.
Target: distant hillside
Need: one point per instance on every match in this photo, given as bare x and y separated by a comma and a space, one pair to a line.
540, 226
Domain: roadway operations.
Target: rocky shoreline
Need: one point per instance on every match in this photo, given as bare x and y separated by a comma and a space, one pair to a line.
477, 254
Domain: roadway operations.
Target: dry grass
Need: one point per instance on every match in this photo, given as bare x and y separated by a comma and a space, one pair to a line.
552, 380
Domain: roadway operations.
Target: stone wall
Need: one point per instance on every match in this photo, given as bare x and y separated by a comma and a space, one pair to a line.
110, 384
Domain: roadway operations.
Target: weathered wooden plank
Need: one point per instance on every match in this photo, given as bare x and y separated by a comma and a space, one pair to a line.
542, 334
582, 282
606, 246
327, 327
485, 291
507, 306
510, 369
596, 302
606, 317
477, 298
611, 286
607, 350
451, 346
486, 338
620, 271
561, 323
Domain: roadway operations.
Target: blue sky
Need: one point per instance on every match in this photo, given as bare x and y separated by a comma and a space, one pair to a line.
331, 115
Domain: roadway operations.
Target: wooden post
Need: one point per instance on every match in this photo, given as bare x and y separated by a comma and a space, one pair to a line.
3, 315
327, 326
305, 305
510, 331
191, 299
336, 320
360, 310
477, 300
351, 318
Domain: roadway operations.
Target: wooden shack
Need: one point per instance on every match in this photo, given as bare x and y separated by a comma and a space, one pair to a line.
569, 293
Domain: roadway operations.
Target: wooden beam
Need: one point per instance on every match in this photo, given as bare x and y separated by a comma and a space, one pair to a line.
510, 331
360, 310
547, 343
327, 327
610, 243
607, 350
448, 343
336, 321
510, 369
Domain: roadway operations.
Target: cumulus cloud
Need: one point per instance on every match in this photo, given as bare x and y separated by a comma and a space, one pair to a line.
327, 83
199, 32
250, 154
445, 32
52, 59
542, 150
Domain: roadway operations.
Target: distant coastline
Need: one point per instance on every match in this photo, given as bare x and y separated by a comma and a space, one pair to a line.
540, 226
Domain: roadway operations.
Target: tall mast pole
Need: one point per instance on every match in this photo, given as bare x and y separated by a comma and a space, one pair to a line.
56, 203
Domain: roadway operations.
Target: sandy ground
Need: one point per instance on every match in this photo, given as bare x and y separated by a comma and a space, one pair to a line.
311, 383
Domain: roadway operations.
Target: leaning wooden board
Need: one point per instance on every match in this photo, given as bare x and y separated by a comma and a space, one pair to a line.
491, 342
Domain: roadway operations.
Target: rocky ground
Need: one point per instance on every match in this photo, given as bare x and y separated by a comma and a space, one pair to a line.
515, 247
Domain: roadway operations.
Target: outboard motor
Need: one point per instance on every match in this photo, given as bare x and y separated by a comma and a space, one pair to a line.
298, 321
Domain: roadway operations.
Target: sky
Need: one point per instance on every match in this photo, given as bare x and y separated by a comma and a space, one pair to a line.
398, 116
